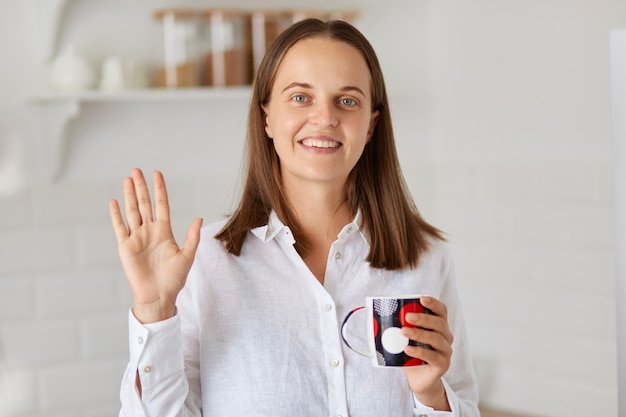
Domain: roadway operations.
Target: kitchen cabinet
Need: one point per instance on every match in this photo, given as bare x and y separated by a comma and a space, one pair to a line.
52, 112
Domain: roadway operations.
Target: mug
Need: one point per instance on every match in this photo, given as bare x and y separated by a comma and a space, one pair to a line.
386, 317
122, 74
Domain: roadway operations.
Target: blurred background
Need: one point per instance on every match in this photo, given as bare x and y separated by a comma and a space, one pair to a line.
503, 117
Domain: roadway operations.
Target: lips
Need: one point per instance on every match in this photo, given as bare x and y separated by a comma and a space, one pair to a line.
320, 143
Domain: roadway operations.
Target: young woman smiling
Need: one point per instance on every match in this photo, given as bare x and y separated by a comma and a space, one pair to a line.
244, 318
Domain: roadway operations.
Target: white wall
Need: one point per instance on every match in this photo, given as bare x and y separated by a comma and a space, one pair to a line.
521, 141
618, 84
502, 111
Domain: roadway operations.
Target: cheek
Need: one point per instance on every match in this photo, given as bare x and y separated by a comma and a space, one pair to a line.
284, 128
362, 130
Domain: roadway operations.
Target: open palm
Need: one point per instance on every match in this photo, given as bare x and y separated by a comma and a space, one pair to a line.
155, 266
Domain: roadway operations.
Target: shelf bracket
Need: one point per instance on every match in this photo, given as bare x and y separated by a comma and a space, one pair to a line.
49, 132
50, 13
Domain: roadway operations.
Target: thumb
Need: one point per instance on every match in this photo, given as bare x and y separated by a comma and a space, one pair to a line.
193, 239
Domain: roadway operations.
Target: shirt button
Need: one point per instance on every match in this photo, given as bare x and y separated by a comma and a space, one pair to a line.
334, 363
423, 415
338, 255
140, 340
350, 229
328, 307
147, 369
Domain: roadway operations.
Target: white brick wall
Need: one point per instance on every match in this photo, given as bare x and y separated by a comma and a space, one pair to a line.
538, 284
521, 150
62, 305
536, 268
18, 392
63, 298
35, 250
17, 299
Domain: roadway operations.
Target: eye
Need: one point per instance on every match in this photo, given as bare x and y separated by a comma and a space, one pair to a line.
348, 102
299, 98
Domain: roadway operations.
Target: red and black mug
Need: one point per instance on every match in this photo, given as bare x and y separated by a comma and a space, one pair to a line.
386, 317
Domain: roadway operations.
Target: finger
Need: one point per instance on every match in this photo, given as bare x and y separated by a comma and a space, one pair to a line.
161, 204
431, 357
119, 228
192, 239
435, 340
431, 323
133, 217
143, 196
437, 307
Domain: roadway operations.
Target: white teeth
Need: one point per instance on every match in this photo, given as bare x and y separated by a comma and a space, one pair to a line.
320, 143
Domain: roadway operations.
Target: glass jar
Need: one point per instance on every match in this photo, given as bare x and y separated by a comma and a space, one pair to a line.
301, 14
227, 48
181, 59
266, 26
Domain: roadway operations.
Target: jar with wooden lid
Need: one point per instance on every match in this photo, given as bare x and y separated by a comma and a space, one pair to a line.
266, 26
227, 49
301, 14
180, 48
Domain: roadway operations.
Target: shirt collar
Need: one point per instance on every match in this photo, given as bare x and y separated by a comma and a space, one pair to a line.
275, 227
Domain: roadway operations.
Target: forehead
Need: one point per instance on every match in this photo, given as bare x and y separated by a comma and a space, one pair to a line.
323, 58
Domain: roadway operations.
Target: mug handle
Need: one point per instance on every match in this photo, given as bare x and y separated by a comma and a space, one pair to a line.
344, 336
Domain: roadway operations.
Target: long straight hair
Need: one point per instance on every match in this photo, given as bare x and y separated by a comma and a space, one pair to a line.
375, 186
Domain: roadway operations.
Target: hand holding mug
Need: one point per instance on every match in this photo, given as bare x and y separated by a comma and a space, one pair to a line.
156, 268
433, 330
387, 316
408, 331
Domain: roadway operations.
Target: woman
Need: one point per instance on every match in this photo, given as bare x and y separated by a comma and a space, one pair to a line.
244, 318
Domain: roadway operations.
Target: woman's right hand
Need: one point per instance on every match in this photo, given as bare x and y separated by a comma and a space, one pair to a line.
156, 268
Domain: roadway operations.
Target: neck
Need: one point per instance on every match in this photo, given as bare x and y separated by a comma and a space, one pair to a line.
321, 210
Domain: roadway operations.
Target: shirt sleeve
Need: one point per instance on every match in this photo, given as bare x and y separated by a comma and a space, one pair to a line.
156, 356
422, 410
459, 381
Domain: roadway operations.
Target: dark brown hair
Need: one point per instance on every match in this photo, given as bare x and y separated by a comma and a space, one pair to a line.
376, 186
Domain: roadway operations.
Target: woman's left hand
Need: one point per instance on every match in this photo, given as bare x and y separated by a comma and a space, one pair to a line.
433, 330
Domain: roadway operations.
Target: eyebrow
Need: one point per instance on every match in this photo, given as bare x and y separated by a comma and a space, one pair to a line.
309, 86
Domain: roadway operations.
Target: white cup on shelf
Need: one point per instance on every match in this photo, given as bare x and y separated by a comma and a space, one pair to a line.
122, 74
112, 77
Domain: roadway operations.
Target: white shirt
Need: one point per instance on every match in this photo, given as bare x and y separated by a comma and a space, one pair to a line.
258, 335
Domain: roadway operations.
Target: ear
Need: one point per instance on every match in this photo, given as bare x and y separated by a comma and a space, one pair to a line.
268, 131
373, 120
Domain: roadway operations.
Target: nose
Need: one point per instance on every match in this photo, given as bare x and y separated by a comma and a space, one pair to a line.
324, 114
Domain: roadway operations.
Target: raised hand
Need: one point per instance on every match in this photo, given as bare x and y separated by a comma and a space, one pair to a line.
156, 268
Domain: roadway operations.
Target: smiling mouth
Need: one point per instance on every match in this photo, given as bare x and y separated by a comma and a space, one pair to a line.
318, 143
